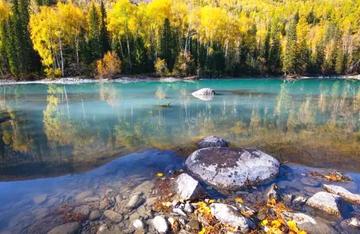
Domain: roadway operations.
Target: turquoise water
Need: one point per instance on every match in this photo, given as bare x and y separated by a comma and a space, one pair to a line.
60, 140
59, 129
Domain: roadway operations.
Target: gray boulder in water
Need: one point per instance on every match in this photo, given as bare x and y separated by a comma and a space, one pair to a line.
232, 169
205, 94
212, 141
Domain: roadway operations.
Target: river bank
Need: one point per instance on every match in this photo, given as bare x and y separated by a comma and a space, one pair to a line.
139, 78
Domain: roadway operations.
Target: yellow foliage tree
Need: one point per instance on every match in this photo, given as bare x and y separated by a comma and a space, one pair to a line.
108, 66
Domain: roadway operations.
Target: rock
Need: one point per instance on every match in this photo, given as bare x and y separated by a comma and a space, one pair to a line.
160, 224
344, 193
232, 169
327, 202
194, 226
179, 212
187, 188
67, 228
188, 208
135, 201
113, 216
104, 203
39, 199
353, 222
272, 193
138, 224
81, 196
308, 223
229, 215
204, 94
212, 141
95, 214
82, 210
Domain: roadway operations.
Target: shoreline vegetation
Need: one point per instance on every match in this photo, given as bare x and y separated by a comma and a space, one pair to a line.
102, 39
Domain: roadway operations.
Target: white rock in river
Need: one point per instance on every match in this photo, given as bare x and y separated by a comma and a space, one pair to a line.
187, 187
205, 94
230, 215
67, 228
138, 224
327, 202
344, 193
212, 141
160, 224
232, 169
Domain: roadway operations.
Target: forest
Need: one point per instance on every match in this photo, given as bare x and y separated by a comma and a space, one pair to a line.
212, 38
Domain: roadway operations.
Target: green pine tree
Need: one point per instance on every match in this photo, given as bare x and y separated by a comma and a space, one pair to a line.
290, 56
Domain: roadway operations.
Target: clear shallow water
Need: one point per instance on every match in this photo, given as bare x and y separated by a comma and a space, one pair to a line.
56, 138
59, 129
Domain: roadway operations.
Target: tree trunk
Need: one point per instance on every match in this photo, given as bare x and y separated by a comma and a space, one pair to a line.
61, 57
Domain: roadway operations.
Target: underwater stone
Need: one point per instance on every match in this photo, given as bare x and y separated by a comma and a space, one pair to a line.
67, 228
344, 193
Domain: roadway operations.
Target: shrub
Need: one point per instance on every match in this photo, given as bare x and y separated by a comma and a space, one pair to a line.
161, 67
108, 66
184, 65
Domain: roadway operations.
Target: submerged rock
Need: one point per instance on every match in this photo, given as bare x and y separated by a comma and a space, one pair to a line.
230, 215
205, 94
188, 188
113, 216
327, 202
160, 224
135, 200
231, 169
67, 228
212, 141
39, 199
344, 193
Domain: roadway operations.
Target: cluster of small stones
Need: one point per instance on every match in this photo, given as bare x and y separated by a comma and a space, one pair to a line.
170, 204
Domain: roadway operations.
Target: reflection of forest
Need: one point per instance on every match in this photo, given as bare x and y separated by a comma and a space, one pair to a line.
317, 129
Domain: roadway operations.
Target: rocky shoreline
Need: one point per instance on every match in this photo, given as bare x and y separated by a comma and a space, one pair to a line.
186, 201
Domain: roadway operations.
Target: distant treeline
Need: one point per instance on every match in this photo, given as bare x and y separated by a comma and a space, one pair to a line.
179, 37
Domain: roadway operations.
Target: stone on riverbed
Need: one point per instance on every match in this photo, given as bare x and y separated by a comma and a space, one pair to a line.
39, 199
232, 169
212, 141
188, 188
327, 202
344, 193
113, 216
308, 223
230, 215
135, 200
205, 94
160, 224
67, 228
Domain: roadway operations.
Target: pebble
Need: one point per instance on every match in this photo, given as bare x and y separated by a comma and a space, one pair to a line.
135, 201
67, 228
138, 224
160, 224
95, 214
113, 216
39, 199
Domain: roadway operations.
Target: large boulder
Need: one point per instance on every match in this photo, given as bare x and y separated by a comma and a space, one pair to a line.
188, 188
231, 216
212, 141
231, 169
205, 94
